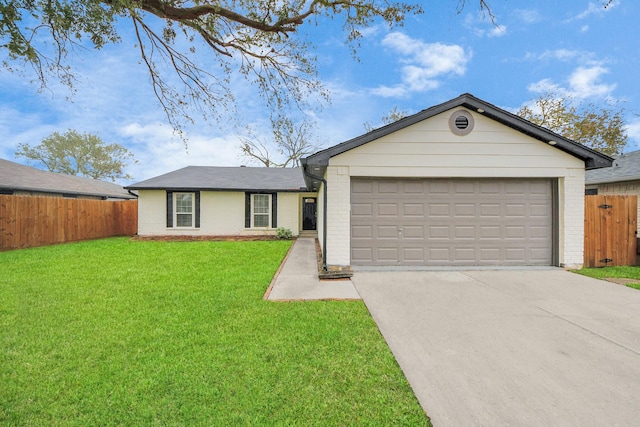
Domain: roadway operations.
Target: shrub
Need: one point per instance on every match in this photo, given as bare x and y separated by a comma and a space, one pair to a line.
283, 233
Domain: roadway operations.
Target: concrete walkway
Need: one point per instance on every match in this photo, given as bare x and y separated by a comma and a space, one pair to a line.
298, 279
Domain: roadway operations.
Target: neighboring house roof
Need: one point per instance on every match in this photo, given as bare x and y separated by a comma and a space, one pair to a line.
17, 177
226, 179
316, 164
626, 167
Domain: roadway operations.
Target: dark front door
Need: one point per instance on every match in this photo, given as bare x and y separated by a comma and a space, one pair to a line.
309, 213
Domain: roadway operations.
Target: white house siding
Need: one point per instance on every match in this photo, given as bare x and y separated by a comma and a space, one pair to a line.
221, 214
629, 188
430, 149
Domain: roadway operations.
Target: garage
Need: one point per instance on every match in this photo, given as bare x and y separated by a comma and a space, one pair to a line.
462, 183
453, 222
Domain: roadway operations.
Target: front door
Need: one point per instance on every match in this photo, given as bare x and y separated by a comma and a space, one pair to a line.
309, 213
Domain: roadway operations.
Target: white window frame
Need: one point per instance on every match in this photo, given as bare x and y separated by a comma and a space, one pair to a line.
267, 214
176, 214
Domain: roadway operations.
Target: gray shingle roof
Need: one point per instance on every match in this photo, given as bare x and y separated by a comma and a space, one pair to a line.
17, 177
626, 167
226, 179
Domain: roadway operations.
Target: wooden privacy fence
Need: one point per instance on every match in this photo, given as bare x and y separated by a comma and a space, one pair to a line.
27, 221
610, 224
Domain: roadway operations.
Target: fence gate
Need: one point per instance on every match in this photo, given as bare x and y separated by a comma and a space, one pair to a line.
610, 224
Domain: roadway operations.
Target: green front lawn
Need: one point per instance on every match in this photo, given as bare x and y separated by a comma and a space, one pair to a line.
120, 332
629, 272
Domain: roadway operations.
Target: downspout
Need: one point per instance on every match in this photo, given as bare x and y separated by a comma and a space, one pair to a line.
324, 217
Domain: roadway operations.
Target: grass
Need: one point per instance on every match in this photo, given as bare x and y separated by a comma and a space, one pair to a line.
120, 332
627, 272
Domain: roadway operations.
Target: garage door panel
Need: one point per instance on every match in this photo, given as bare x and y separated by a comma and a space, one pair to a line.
413, 232
439, 232
465, 255
439, 254
362, 255
387, 209
515, 210
362, 232
464, 210
490, 255
515, 232
490, 210
538, 209
387, 232
439, 210
451, 221
362, 210
465, 232
387, 254
413, 209
413, 187
413, 254
490, 232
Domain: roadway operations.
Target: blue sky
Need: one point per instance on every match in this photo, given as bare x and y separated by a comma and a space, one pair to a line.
570, 48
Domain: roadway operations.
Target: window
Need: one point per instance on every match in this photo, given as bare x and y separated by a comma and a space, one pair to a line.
260, 212
183, 209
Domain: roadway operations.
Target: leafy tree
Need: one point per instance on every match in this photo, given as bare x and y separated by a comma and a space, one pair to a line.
260, 40
393, 116
601, 128
85, 154
290, 143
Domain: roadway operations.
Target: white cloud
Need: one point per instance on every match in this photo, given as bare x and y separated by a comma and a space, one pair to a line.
633, 132
497, 31
425, 63
558, 54
597, 8
528, 16
584, 82
160, 150
482, 27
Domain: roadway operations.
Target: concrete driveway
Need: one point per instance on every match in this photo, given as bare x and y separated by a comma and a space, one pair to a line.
516, 348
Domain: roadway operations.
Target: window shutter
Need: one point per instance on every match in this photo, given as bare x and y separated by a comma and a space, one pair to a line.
274, 210
197, 207
247, 210
169, 209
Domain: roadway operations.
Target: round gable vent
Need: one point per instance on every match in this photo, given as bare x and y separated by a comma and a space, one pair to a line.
461, 122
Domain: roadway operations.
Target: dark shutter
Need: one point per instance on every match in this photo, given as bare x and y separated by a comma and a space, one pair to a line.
197, 209
247, 210
169, 209
274, 210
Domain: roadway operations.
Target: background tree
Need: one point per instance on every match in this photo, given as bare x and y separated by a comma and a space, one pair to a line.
290, 143
393, 116
601, 128
84, 154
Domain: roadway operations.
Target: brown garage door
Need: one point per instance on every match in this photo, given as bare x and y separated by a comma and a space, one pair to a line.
452, 222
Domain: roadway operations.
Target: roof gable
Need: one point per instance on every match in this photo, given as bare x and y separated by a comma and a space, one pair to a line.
592, 158
216, 178
17, 177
